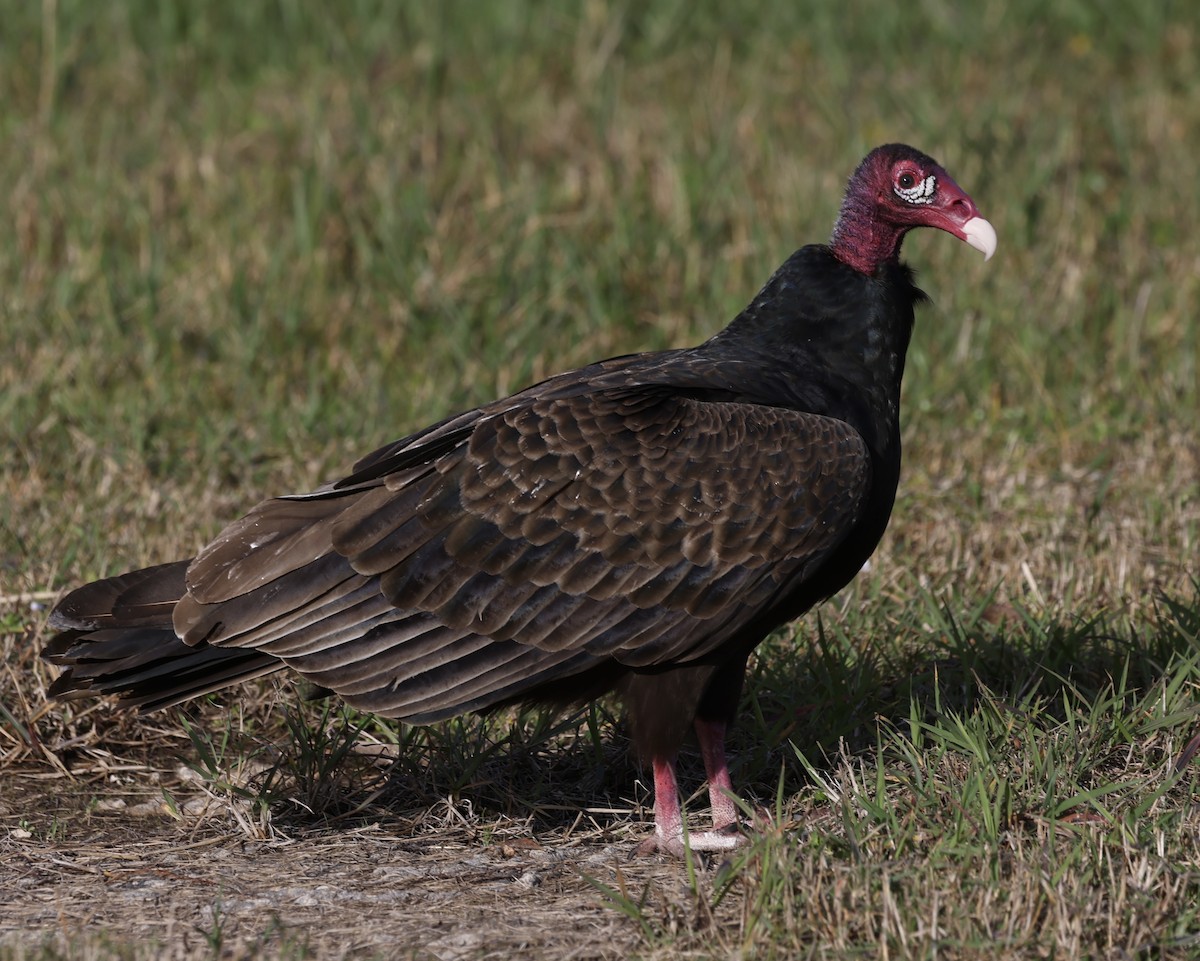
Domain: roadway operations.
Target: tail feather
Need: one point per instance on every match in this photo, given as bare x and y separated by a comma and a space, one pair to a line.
118, 638
142, 598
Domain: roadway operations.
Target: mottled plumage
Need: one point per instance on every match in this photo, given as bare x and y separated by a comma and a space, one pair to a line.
637, 524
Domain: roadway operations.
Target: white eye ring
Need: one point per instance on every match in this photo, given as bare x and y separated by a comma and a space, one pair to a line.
922, 193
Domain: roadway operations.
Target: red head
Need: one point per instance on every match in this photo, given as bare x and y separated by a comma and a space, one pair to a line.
897, 188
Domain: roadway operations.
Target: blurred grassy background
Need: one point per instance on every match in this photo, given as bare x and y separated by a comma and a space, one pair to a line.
249, 242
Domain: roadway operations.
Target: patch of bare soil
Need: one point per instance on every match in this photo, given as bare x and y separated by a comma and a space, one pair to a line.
77, 869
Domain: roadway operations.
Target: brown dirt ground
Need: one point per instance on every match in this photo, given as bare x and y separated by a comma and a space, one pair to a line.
364, 889
86, 861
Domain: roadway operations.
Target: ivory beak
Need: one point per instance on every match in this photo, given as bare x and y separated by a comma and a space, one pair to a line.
981, 235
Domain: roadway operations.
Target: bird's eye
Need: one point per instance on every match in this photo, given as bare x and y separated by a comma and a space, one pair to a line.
914, 189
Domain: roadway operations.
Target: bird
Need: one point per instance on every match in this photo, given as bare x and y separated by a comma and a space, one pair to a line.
637, 525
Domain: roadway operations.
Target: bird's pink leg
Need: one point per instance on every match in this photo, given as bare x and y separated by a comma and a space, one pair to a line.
668, 817
711, 735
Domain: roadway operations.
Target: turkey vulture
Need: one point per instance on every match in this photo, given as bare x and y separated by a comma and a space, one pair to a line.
638, 525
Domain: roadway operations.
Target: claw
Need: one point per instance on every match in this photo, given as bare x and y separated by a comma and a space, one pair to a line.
727, 838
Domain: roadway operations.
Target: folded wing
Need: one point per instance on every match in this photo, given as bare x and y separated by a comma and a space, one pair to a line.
533, 542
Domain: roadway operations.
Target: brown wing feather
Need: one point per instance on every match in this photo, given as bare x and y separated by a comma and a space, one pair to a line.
630, 524
138, 598
680, 504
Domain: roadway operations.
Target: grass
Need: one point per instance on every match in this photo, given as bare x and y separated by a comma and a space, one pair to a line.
248, 243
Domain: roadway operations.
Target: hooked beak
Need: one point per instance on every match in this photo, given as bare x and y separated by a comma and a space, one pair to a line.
981, 235
960, 216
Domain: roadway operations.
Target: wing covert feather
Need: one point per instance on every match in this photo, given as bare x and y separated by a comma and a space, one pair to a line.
644, 498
